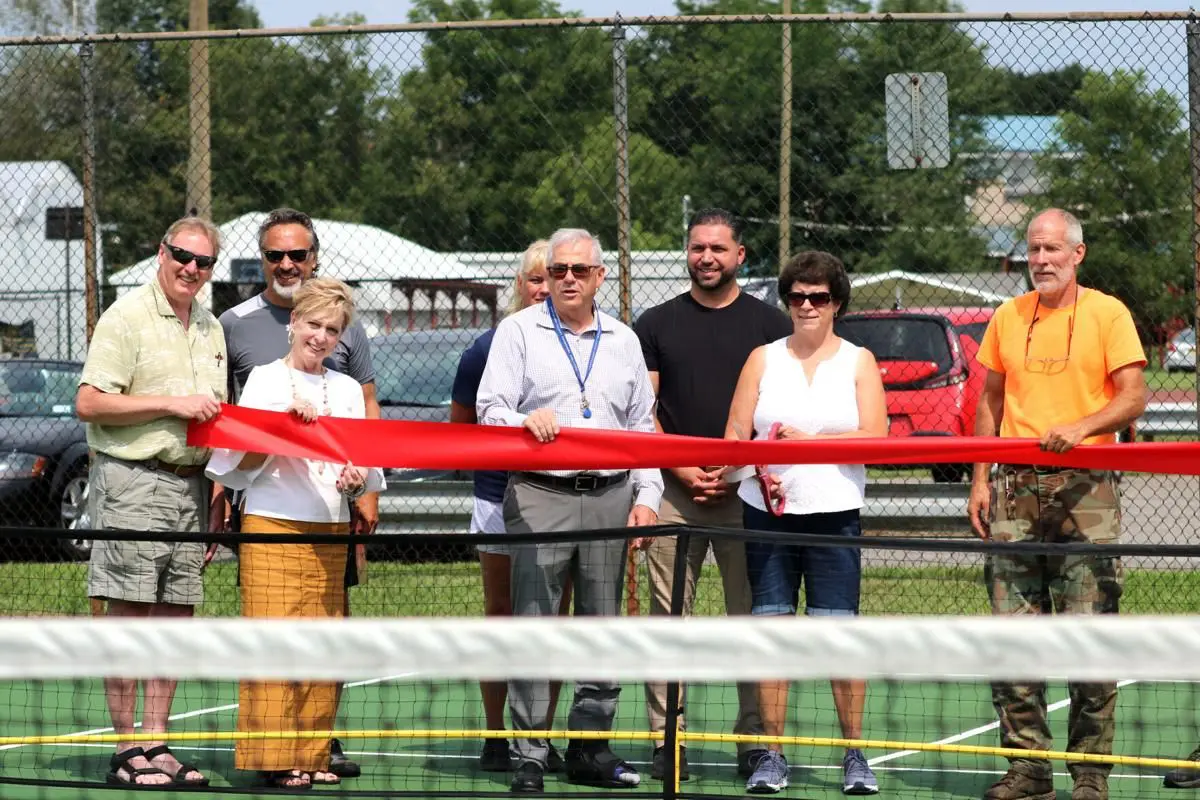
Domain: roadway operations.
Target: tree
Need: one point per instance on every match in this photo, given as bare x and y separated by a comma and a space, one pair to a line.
1123, 168
699, 106
473, 129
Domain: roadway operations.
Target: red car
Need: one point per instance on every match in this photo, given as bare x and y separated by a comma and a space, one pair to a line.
927, 360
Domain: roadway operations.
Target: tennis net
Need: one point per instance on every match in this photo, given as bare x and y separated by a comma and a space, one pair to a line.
411, 662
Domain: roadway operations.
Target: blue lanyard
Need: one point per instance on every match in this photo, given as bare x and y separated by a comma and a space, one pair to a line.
562, 340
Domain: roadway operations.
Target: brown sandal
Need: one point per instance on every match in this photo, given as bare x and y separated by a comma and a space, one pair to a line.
120, 763
294, 779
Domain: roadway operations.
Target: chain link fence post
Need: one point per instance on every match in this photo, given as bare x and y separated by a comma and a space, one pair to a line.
91, 232
621, 120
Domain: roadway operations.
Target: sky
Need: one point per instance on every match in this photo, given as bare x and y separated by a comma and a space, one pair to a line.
295, 13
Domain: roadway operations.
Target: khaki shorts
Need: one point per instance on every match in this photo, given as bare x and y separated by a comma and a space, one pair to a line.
128, 496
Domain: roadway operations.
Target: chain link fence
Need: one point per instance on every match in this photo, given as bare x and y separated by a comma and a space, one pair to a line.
432, 154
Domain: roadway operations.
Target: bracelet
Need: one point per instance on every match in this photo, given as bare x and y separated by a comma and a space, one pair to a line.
354, 494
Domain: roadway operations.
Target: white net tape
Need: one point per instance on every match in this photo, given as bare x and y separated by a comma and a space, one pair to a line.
659, 648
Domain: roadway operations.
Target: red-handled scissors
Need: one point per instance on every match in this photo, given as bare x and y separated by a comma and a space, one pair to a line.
774, 504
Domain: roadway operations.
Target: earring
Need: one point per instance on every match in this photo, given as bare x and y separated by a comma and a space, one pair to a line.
291, 335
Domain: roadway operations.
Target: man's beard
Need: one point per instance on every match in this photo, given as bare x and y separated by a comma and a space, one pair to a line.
286, 292
726, 277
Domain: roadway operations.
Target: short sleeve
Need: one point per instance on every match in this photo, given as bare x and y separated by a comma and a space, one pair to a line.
469, 373
223, 465
779, 325
358, 354
989, 347
1122, 346
112, 355
646, 332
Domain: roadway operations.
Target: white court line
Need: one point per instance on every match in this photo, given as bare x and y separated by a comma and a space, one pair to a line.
200, 712
724, 764
958, 737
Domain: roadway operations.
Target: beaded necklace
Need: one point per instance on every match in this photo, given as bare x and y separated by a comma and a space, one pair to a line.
326, 411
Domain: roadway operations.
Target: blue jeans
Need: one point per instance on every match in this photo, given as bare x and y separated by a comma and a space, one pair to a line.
832, 576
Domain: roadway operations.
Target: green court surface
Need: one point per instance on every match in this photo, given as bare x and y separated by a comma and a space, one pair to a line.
1154, 720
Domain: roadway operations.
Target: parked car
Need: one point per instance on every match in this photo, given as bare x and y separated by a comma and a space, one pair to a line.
1181, 352
43, 451
414, 373
927, 361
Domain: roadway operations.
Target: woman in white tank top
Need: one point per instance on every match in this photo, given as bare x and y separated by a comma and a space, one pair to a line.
811, 385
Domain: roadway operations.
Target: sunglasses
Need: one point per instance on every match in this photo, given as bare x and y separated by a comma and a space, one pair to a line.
817, 299
580, 271
186, 257
276, 256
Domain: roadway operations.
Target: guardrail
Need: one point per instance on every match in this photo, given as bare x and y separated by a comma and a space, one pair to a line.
1167, 418
441, 506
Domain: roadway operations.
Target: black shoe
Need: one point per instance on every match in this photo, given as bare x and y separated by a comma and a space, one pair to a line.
528, 779
338, 763
1184, 778
554, 761
658, 764
593, 764
495, 756
747, 761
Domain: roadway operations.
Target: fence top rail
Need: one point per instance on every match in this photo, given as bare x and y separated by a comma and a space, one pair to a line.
616, 21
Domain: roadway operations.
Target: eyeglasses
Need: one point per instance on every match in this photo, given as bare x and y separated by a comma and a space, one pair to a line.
186, 257
817, 299
580, 271
1049, 366
276, 256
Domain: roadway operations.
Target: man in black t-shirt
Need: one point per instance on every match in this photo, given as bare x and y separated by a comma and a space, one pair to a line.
695, 346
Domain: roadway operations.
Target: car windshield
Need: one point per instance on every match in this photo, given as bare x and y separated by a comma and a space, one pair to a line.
412, 372
899, 339
38, 389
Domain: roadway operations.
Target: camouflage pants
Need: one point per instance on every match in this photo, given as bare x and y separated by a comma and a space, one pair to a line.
1055, 506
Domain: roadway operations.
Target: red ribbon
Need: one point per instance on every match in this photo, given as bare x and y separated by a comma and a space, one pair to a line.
442, 445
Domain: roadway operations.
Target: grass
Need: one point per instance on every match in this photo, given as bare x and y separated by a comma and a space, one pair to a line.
1158, 379
437, 590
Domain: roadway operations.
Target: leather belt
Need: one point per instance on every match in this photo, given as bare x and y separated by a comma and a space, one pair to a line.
1036, 469
579, 484
158, 465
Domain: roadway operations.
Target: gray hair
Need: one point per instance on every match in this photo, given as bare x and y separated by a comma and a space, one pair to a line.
1074, 227
193, 223
289, 216
568, 236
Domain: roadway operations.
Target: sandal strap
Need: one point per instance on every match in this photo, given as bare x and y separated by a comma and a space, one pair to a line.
155, 752
121, 760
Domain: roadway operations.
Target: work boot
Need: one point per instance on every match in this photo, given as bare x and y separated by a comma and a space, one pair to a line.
1017, 784
1090, 786
1184, 778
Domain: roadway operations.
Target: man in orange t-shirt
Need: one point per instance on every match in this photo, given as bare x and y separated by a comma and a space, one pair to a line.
1064, 367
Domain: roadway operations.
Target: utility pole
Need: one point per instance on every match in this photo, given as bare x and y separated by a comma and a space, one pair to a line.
199, 174
785, 144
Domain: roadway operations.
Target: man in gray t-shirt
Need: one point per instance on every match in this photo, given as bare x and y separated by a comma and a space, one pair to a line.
256, 334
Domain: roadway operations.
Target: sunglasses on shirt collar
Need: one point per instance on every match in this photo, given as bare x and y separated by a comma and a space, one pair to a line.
186, 257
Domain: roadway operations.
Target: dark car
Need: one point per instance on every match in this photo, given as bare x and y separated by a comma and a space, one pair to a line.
414, 373
43, 450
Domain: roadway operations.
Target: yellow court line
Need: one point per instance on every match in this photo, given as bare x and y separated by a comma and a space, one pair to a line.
684, 737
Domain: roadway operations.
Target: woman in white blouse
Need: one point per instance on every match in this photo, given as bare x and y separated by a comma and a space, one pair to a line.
811, 385
296, 495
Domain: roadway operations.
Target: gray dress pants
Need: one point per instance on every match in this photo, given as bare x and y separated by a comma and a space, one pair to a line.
597, 570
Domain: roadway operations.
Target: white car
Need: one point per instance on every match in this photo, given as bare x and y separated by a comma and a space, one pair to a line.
1181, 352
